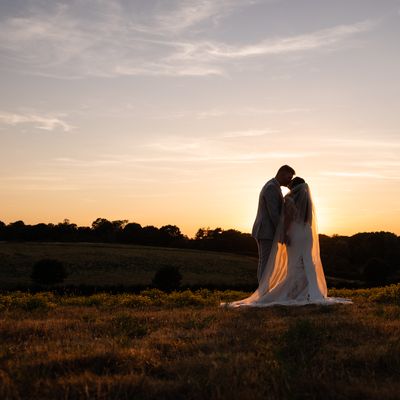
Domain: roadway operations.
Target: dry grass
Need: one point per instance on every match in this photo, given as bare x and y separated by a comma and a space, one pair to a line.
183, 346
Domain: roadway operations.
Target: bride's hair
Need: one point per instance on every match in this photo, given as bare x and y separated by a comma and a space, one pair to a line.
295, 182
301, 198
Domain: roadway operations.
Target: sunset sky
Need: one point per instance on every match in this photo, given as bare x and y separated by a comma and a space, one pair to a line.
177, 112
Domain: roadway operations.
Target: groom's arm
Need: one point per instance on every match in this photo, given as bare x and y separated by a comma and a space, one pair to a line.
273, 203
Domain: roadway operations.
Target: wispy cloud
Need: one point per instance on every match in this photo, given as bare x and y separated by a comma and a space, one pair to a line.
223, 112
364, 143
48, 188
150, 195
31, 178
365, 174
113, 40
237, 158
249, 133
325, 38
163, 69
376, 163
47, 123
190, 13
100, 162
120, 39
174, 145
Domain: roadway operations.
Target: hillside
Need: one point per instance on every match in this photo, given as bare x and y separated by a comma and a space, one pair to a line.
100, 264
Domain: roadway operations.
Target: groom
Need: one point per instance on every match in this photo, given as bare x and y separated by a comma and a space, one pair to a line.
268, 213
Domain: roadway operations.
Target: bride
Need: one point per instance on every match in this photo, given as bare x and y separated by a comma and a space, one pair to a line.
294, 273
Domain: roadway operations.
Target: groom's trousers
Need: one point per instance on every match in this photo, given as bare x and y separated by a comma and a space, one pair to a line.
264, 250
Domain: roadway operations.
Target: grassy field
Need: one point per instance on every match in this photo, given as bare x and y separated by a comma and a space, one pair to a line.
106, 264
184, 346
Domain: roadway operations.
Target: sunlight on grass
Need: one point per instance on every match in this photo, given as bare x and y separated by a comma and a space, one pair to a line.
183, 345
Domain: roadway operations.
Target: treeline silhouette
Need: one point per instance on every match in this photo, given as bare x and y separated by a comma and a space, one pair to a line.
372, 258
123, 231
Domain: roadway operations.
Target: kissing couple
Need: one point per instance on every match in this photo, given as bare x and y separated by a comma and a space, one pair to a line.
289, 268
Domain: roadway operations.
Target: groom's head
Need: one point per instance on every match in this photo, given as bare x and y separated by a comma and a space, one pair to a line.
285, 175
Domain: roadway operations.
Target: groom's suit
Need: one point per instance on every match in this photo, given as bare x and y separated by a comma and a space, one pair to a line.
267, 219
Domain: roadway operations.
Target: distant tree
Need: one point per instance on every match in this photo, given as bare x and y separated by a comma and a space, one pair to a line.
131, 233
376, 271
335, 256
208, 233
150, 235
16, 230
104, 230
172, 231
215, 233
170, 234
118, 226
40, 232
233, 240
373, 244
66, 231
201, 234
167, 278
48, 272
2, 230
85, 234
230, 240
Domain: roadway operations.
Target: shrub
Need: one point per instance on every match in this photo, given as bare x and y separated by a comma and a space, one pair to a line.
388, 294
48, 272
167, 278
185, 298
39, 301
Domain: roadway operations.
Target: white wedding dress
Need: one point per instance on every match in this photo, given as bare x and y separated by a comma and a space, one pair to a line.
294, 273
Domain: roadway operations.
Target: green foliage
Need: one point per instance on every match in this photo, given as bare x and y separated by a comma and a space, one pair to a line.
186, 298
146, 298
157, 298
28, 301
135, 301
48, 272
388, 294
